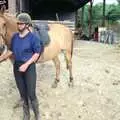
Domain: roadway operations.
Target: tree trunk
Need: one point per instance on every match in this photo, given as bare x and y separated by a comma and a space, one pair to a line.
90, 19
82, 17
104, 5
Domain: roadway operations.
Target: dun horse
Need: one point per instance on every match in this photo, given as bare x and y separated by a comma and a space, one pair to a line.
61, 39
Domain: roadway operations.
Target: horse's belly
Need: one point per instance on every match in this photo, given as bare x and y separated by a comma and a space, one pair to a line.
49, 53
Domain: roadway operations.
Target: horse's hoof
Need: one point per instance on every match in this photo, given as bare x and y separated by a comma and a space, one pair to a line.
54, 85
71, 84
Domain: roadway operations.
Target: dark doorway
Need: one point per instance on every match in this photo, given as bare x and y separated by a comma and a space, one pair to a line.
50, 9
22, 6
6, 4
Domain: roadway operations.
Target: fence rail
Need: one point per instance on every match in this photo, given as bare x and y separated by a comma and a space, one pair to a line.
69, 24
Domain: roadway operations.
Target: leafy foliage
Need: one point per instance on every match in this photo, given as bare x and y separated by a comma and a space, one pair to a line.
112, 14
118, 1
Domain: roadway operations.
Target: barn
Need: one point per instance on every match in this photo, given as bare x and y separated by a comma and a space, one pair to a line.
62, 10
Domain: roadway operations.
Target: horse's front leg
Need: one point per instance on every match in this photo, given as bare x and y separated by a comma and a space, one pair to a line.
57, 66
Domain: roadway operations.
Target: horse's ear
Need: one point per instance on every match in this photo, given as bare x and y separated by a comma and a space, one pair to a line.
2, 10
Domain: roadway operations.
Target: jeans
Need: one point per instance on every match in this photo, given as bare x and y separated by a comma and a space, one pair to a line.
26, 81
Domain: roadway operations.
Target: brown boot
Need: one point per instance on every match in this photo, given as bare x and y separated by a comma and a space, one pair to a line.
26, 112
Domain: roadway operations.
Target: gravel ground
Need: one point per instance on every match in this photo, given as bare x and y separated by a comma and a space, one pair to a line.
96, 91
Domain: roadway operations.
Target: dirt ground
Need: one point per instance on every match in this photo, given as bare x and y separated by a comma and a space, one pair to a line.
96, 91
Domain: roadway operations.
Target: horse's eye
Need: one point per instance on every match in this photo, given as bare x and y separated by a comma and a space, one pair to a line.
4, 25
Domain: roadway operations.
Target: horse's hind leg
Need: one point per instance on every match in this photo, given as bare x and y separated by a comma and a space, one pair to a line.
57, 66
68, 58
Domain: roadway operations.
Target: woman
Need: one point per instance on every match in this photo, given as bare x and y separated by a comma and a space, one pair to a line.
26, 48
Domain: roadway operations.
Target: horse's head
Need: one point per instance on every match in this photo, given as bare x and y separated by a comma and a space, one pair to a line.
3, 31
7, 28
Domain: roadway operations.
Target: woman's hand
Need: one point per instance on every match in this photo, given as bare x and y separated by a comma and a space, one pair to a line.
23, 67
33, 59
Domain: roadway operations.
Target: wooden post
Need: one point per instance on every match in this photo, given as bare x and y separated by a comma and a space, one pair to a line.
12, 6
24, 5
82, 17
17, 6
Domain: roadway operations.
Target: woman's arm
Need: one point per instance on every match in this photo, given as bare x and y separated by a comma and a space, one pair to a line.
33, 59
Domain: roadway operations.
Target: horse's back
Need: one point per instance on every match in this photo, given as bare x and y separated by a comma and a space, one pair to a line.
61, 33
61, 38
60, 27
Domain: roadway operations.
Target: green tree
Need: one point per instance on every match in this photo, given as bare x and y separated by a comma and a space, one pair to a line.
118, 1
112, 15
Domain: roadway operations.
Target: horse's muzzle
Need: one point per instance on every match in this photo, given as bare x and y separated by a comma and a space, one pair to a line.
3, 49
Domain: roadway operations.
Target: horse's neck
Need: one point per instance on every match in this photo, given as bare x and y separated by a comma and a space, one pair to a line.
11, 29
10, 33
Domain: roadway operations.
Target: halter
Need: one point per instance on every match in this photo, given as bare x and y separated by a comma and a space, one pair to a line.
4, 35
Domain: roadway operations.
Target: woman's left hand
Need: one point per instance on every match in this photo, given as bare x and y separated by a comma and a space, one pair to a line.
23, 67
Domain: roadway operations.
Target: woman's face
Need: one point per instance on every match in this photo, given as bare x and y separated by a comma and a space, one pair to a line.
21, 26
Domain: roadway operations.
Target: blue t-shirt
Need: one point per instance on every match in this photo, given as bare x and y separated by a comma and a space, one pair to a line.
24, 48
